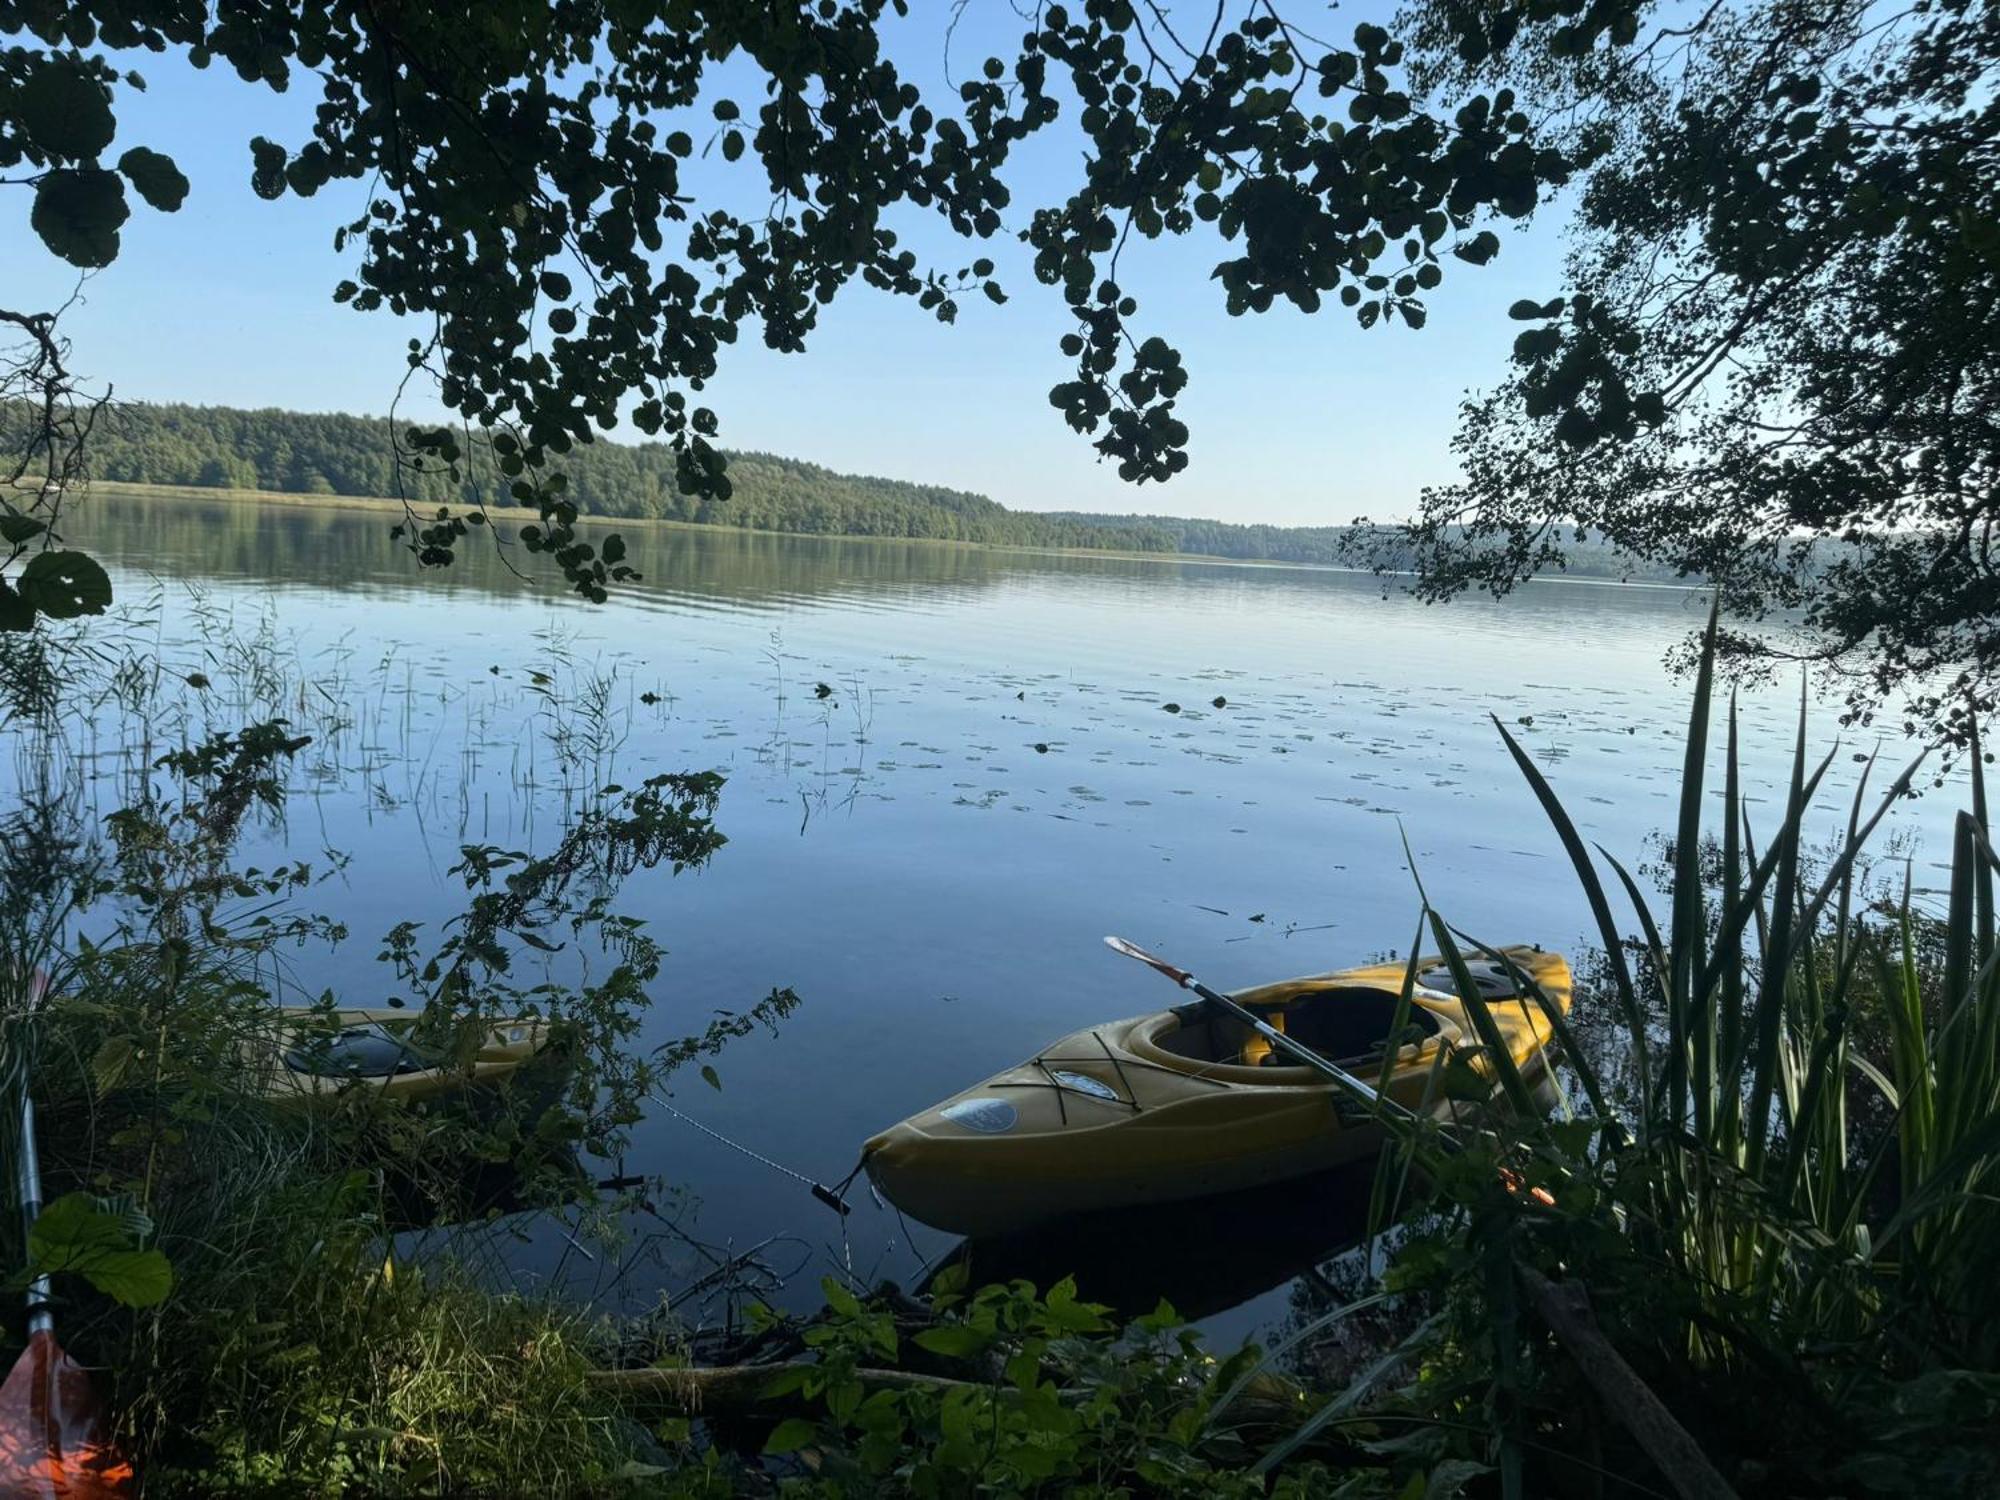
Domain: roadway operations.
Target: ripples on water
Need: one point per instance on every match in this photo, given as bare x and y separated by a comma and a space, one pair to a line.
930, 851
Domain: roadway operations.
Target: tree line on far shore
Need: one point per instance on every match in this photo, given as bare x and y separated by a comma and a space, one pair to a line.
311, 453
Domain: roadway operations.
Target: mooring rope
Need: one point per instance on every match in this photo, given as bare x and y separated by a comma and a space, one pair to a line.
831, 1197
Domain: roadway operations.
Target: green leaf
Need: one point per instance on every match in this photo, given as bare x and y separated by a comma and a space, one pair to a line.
952, 1340
710, 1077
158, 180
785, 1382
136, 1278
65, 111
19, 529
267, 168
1478, 250
78, 1235
77, 213
109, 1063
64, 584
790, 1435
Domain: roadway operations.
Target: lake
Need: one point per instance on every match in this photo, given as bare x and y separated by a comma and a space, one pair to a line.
950, 772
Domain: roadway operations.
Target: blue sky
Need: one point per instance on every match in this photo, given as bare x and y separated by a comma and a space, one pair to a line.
1303, 420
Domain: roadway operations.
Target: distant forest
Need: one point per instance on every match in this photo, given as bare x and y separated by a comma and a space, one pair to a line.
303, 453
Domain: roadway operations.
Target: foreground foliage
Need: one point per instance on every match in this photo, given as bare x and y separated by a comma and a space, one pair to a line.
281, 1297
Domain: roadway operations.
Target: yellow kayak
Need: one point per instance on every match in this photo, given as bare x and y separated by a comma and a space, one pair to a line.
1182, 1103
308, 1055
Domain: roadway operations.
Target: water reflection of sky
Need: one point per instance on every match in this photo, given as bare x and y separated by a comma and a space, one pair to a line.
930, 854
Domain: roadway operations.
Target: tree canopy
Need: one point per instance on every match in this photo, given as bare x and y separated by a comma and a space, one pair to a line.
1775, 358
523, 201
1776, 328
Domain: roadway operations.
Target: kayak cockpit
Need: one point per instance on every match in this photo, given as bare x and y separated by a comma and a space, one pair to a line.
1353, 1025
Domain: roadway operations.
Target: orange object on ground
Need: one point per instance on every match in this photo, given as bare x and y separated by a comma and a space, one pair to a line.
54, 1440
55, 1443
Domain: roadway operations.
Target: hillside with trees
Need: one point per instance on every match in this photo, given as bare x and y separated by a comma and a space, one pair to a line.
1383, 548
305, 453
310, 453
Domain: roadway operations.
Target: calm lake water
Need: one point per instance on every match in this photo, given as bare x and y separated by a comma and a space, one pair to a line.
930, 854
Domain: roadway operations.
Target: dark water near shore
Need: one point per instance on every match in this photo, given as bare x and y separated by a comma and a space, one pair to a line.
930, 854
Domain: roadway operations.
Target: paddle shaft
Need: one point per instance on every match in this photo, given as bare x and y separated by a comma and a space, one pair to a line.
28, 1182
1297, 1051
28, 1177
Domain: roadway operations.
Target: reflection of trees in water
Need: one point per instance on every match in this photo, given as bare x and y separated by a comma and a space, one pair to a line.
278, 542
301, 543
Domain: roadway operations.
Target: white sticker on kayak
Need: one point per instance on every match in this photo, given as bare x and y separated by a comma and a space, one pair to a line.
1083, 1083
988, 1116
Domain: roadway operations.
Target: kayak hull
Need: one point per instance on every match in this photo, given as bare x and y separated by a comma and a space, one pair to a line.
1147, 1110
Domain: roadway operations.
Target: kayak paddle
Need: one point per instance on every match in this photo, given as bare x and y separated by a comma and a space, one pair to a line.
1512, 1179
54, 1439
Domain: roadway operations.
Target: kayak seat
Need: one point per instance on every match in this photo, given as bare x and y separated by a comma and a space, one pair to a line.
1349, 1024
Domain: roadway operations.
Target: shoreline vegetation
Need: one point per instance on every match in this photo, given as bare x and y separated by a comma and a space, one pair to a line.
276, 457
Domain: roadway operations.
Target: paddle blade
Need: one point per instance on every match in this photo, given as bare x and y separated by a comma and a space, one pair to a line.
1180, 977
55, 1442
